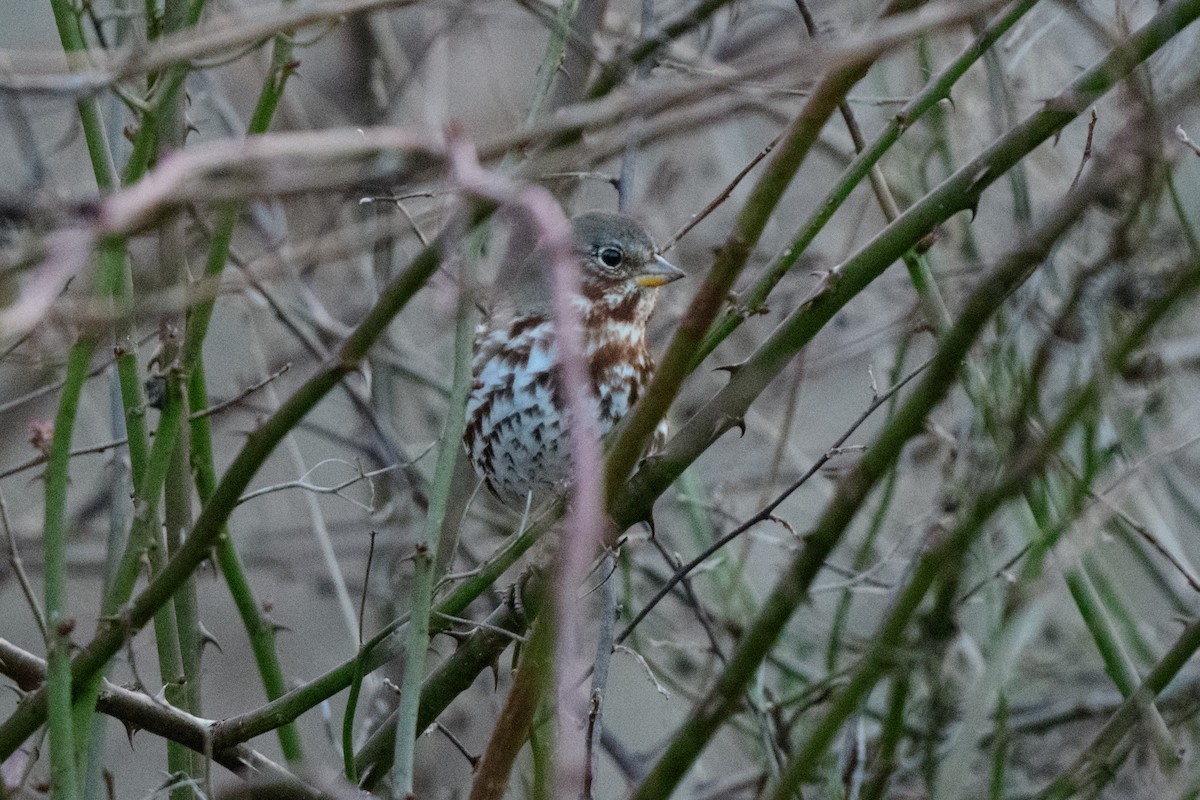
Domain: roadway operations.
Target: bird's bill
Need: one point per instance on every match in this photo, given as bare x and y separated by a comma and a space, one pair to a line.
659, 272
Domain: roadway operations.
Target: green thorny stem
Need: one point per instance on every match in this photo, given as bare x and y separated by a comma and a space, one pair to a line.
959, 192
63, 767
754, 299
116, 279
210, 524
183, 683
1027, 467
115, 282
792, 588
636, 429
1092, 764
377, 651
427, 554
259, 629
657, 475
1107, 640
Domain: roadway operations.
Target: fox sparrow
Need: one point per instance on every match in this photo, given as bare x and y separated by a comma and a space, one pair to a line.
516, 432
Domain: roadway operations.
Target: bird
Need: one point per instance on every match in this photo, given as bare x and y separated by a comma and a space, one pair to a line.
517, 435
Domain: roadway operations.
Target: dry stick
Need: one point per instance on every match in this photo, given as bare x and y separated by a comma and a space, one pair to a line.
785, 428
15, 788
290, 163
1087, 149
241, 396
766, 513
222, 34
721, 701
425, 557
716, 202
259, 445
335, 489
472, 759
996, 574
585, 518
604, 650
535, 666
1137, 527
690, 598
632, 131
18, 568
959, 192
109, 445
142, 712
635, 430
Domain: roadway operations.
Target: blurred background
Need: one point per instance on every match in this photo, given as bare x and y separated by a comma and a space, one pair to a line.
304, 270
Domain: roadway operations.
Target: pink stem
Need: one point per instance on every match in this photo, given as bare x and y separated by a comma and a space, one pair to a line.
585, 518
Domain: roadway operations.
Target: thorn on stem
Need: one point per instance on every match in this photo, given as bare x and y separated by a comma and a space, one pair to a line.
730, 422
130, 730
206, 639
1185, 140
926, 242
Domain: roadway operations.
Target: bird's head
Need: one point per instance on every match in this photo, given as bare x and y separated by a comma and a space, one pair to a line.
618, 255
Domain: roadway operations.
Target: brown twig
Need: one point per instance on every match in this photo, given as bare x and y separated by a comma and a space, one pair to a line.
766, 512
240, 396
226, 33
715, 203
600, 666
109, 445
675, 564
1087, 149
473, 760
143, 712
18, 567
362, 602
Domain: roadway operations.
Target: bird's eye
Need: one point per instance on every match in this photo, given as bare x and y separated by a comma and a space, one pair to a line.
611, 257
